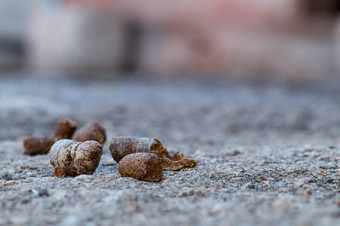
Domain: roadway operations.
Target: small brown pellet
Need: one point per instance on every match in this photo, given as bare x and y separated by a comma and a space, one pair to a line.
71, 158
65, 129
37, 145
125, 145
92, 131
41, 145
141, 166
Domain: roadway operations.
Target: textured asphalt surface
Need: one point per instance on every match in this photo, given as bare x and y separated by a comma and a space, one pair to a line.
268, 154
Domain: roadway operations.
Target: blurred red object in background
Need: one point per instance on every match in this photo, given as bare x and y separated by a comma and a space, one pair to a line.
199, 12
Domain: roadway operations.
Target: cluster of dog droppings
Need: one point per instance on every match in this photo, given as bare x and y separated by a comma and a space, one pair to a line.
65, 129
74, 153
41, 145
125, 145
145, 158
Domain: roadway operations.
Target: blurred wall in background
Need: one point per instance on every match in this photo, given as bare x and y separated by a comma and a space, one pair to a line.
14, 20
289, 38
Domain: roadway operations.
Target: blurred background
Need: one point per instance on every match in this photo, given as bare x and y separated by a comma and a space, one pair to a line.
224, 38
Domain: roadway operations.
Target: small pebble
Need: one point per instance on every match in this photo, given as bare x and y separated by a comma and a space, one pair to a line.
321, 172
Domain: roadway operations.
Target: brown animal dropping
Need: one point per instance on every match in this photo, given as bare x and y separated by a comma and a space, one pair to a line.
37, 145
41, 145
141, 166
122, 146
71, 158
65, 129
92, 131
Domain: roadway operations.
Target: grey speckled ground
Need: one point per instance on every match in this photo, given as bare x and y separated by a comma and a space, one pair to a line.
257, 148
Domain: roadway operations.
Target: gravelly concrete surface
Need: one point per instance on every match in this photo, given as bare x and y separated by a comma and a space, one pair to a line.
257, 148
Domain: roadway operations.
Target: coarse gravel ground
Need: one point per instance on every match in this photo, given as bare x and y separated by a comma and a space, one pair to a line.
258, 148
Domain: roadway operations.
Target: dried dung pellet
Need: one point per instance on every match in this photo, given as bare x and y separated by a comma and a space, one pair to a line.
71, 158
37, 145
92, 131
141, 166
125, 145
41, 145
65, 129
